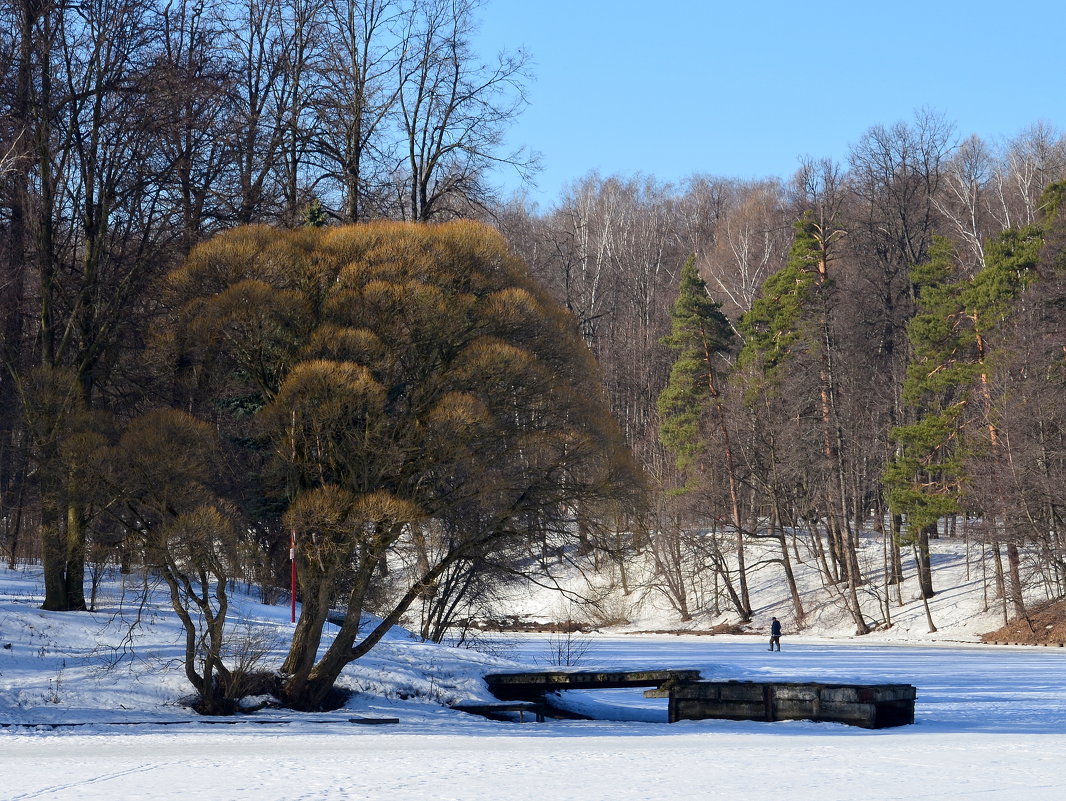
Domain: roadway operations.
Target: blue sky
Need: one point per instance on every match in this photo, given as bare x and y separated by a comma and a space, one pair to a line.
746, 89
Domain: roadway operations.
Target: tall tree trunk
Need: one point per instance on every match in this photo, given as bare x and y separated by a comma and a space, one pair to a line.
925, 606
786, 562
1017, 598
74, 588
12, 288
734, 494
1001, 584
897, 559
55, 556
924, 561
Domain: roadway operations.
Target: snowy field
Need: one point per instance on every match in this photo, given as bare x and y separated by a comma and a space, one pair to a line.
990, 723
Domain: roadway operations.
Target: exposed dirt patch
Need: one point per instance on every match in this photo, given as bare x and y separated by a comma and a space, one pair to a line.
1044, 625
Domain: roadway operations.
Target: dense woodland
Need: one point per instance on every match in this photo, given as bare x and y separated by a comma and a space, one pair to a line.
869, 347
204, 363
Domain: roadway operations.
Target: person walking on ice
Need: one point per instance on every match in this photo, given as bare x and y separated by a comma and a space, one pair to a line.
775, 634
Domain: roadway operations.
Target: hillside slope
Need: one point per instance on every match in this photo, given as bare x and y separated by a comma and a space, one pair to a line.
964, 608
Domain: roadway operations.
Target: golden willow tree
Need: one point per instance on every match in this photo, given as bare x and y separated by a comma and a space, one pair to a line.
415, 393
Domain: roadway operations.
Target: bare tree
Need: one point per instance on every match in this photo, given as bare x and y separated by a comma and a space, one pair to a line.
751, 242
99, 226
1031, 161
267, 61
452, 111
16, 147
963, 200
353, 103
190, 81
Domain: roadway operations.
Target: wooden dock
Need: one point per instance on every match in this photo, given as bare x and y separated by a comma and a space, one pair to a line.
871, 706
533, 686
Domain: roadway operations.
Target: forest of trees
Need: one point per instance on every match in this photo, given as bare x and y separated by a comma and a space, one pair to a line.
203, 361
870, 348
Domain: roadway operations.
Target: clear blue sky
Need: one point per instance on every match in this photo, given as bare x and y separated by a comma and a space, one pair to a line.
745, 89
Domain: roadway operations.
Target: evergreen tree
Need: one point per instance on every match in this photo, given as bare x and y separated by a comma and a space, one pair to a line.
922, 482
790, 345
701, 335
315, 214
778, 325
947, 380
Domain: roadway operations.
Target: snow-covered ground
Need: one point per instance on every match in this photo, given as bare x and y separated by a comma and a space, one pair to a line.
990, 720
962, 610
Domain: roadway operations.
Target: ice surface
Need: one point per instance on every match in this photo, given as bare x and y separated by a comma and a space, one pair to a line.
990, 722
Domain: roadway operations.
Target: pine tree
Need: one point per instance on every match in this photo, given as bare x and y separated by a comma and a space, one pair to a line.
701, 335
315, 215
947, 380
789, 337
778, 325
922, 480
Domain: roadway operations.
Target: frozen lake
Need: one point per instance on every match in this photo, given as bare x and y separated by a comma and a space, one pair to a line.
960, 689
990, 724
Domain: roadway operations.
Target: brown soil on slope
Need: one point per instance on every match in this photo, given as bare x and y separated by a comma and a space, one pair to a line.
1043, 625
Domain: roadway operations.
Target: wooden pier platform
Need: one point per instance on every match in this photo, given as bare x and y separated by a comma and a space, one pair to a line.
871, 706
533, 686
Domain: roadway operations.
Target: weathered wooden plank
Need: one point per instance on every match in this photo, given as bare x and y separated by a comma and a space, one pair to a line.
531, 685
